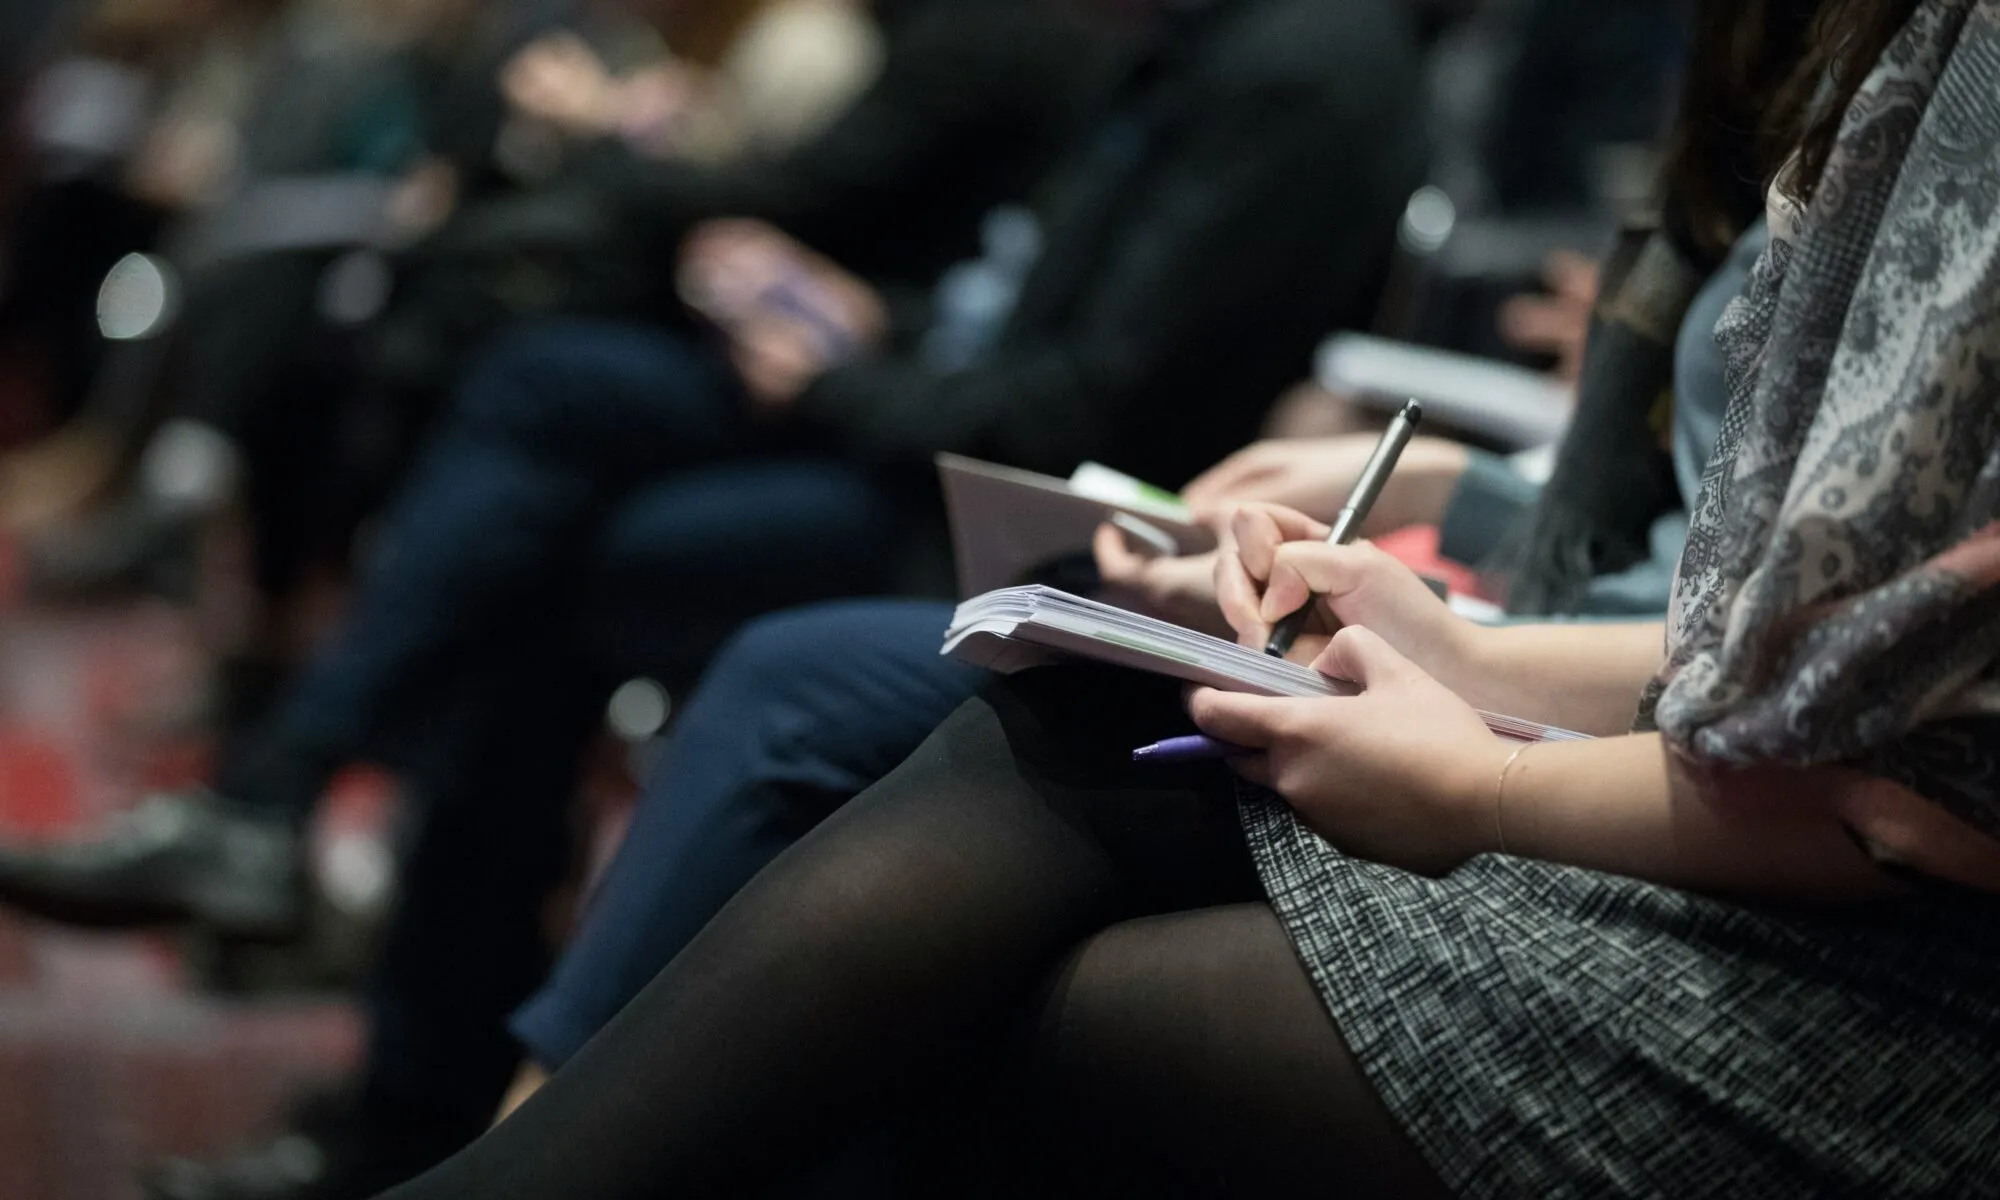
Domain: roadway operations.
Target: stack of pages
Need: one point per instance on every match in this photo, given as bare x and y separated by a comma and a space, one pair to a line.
1019, 627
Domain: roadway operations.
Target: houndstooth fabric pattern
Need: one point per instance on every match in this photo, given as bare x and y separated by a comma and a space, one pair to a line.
1545, 1031
1839, 598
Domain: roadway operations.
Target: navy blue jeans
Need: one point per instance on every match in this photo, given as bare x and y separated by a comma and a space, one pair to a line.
585, 470
798, 714
578, 454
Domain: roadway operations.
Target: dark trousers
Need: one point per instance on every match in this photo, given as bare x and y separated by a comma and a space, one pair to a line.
796, 715
578, 451
586, 471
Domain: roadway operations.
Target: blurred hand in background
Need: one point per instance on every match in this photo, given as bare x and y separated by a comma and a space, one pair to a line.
790, 314
1556, 322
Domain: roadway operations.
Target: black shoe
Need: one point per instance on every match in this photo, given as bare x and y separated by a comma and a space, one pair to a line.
176, 859
344, 1157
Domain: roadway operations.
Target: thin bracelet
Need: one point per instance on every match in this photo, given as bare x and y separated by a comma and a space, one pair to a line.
1500, 795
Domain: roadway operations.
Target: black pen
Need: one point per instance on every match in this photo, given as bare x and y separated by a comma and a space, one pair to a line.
1359, 501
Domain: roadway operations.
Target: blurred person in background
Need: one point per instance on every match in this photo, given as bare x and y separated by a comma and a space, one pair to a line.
127, 125
1583, 80
27, 37
303, 416
291, 380
1548, 113
318, 92
976, 99
743, 79
444, 96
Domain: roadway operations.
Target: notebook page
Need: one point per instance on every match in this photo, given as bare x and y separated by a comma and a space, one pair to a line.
996, 629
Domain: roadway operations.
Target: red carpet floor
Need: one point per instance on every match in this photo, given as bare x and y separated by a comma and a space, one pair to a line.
108, 1058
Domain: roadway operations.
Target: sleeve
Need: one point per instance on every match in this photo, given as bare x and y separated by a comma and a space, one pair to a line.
939, 84
1225, 216
1489, 504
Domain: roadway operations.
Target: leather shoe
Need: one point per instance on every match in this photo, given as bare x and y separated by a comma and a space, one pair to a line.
182, 858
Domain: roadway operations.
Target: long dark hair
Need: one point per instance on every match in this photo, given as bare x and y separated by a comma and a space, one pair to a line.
1848, 38
1768, 79
1767, 83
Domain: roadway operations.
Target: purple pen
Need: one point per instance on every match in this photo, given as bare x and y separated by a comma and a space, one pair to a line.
1193, 748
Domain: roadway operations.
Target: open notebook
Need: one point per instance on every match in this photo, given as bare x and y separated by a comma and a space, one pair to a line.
1019, 627
1008, 525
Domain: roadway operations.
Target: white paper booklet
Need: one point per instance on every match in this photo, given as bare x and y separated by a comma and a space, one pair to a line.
1006, 524
1020, 627
1510, 404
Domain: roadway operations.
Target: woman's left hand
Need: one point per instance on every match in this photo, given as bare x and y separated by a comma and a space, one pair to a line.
1176, 588
1403, 773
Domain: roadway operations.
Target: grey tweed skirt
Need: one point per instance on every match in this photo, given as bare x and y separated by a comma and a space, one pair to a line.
1547, 1031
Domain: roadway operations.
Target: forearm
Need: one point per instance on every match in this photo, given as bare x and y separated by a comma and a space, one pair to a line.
1626, 806
1582, 677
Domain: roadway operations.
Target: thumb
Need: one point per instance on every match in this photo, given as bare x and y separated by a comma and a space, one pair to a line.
1361, 656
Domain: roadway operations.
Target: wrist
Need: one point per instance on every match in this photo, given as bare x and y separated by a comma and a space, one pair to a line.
1478, 793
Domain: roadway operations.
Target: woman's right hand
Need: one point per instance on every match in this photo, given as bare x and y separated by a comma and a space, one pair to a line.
1176, 588
1275, 560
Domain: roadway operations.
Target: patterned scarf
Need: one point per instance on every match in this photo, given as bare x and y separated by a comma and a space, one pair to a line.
1839, 598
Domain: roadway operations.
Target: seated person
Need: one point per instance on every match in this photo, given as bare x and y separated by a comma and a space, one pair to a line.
975, 101
803, 710
1742, 942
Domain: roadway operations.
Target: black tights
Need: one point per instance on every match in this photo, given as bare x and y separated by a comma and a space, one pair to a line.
1017, 874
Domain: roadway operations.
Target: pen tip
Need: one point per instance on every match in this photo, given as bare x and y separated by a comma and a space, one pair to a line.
1412, 411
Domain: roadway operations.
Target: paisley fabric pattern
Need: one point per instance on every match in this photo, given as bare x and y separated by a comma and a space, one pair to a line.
1839, 598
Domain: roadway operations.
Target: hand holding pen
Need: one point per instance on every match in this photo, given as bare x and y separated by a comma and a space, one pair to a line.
1348, 522
1368, 486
